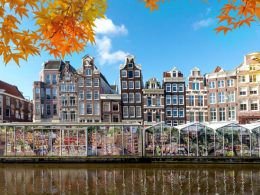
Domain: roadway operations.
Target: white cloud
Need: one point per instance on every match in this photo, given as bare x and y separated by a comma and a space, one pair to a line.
105, 56
202, 23
105, 26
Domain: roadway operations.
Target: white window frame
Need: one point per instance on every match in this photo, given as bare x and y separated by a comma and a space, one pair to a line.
131, 87
124, 85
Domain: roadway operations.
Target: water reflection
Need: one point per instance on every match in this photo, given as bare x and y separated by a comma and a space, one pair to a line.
129, 179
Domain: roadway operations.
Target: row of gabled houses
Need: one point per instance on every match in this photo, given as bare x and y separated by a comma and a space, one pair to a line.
65, 94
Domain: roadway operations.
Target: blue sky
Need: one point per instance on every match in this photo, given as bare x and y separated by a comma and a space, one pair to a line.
180, 33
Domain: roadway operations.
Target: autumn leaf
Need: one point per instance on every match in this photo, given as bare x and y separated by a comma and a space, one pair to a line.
223, 28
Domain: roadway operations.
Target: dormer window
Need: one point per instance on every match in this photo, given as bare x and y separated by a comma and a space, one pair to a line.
174, 74
88, 72
67, 76
130, 65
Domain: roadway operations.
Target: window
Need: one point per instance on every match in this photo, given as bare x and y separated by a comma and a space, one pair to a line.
124, 73
212, 98
48, 109
168, 100
130, 74
115, 107
131, 98
17, 104
7, 112
242, 91
54, 79
232, 113
231, 96
106, 118
243, 106
131, 84
174, 87
222, 114
67, 76
191, 116
81, 94
37, 93
63, 101
200, 100
63, 88
181, 100
48, 79
181, 87
158, 117
37, 109
125, 111
149, 101
88, 82
175, 123
81, 82
96, 108
254, 105
17, 114
149, 117
124, 84
242, 79
195, 86
213, 114
54, 93
201, 118
181, 112
212, 85
138, 112
168, 112
191, 100
252, 78
89, 108
125, 97
130, 65
137, 73
221, 84
175, 100
72, 101
70, 88
221, 97
175, 112
131, 111
54, 109
138, 97
230, 82
88, 72
115, 118
96, 82
96, 95
168, 87
89, 95
174, 74
253, 91
158, 101
137, 84
252, 68
48, 93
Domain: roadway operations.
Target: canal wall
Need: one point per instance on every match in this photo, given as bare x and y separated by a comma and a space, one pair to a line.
172, 160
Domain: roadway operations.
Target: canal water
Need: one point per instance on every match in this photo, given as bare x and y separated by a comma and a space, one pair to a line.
128, 179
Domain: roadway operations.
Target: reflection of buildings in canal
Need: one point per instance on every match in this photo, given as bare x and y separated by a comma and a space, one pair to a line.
129, 181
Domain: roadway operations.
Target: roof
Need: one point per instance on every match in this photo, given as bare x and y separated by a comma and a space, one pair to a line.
218, 69
11, 89
53, 64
